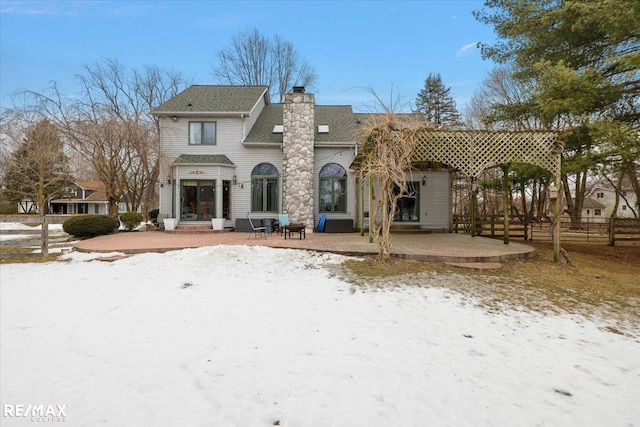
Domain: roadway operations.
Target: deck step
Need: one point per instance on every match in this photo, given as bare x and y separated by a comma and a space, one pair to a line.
196, 229
409, 229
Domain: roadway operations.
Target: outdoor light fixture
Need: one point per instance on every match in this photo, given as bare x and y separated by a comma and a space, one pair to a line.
424, 180
235, 180
174, 118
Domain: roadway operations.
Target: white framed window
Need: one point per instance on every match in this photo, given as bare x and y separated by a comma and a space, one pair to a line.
202, 133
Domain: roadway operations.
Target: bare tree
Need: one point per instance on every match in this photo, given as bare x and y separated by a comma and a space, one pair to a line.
255, 59
109, 125
390, 141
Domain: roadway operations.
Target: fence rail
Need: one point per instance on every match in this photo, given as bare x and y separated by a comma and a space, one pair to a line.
605, 230
35, 219
44, 222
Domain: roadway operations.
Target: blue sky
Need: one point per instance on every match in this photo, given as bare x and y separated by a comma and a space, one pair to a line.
352, 44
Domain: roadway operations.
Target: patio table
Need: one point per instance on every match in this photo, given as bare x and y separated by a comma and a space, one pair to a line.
295, 228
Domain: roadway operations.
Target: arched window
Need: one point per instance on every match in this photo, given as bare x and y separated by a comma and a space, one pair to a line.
264, 188
333, 188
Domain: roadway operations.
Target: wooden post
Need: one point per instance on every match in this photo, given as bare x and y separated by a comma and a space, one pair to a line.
506, 202
361, 202
370, 210
473, 206
557, 206
612, 232
44, 248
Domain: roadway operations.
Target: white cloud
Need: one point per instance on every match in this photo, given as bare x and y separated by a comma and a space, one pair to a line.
466, 48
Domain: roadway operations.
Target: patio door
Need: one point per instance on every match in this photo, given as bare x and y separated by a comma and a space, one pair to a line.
408, 206
197, 200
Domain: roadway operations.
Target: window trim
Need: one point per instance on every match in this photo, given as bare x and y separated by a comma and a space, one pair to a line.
202, 132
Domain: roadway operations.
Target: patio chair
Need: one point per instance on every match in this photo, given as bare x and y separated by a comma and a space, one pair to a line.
283, 221
255, 230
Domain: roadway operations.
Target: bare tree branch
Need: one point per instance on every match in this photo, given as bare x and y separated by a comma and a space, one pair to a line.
254, 59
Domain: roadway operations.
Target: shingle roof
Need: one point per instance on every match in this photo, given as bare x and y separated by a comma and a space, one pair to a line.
262, 130
591, 203
87, 184
98, 196
340, 118
218, 99
202, 158
341, 121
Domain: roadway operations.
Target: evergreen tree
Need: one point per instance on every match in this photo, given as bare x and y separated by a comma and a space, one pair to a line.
39, 169
584, 58
436, 103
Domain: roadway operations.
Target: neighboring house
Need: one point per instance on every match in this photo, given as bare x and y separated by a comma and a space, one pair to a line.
86, 197
227, 151
601, 200
593, 210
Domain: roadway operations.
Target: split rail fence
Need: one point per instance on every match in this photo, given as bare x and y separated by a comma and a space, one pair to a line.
42, 229
605, 230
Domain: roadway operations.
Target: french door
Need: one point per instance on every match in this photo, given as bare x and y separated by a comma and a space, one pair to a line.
408, 206
197, 200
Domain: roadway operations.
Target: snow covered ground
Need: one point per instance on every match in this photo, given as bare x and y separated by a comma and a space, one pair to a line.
254, 336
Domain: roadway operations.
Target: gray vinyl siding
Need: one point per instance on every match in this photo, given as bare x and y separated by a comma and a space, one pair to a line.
229, 142
435, 199
251, 120
175, 136
245, 161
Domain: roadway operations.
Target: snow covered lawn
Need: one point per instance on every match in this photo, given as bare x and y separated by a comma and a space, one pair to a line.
254, 336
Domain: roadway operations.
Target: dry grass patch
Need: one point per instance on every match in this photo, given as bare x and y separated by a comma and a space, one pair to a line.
369, 267
16, 255
600, 275
603, 281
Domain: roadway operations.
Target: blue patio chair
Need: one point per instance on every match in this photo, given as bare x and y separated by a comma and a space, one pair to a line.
283, 221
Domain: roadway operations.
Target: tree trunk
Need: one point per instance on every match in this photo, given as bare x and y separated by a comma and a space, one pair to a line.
630, 169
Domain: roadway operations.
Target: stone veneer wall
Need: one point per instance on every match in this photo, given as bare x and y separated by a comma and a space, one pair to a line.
297, 158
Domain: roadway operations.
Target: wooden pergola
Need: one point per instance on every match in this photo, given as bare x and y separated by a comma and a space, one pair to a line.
471, 152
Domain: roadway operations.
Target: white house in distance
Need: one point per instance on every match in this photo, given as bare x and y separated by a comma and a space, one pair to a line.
227, 151
84, 197
601, 200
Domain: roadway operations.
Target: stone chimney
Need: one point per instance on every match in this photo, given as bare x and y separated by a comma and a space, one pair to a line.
297, 157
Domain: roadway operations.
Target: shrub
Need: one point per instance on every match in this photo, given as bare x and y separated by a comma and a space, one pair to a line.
8, 208
153, 215
130, 220
90, 225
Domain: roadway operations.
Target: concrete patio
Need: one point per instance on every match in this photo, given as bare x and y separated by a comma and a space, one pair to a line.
444, 247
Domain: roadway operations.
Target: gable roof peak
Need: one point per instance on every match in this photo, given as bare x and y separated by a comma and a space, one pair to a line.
214, 99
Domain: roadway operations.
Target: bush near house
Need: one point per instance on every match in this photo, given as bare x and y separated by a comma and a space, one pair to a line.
153, 215
90, 225
130, 220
